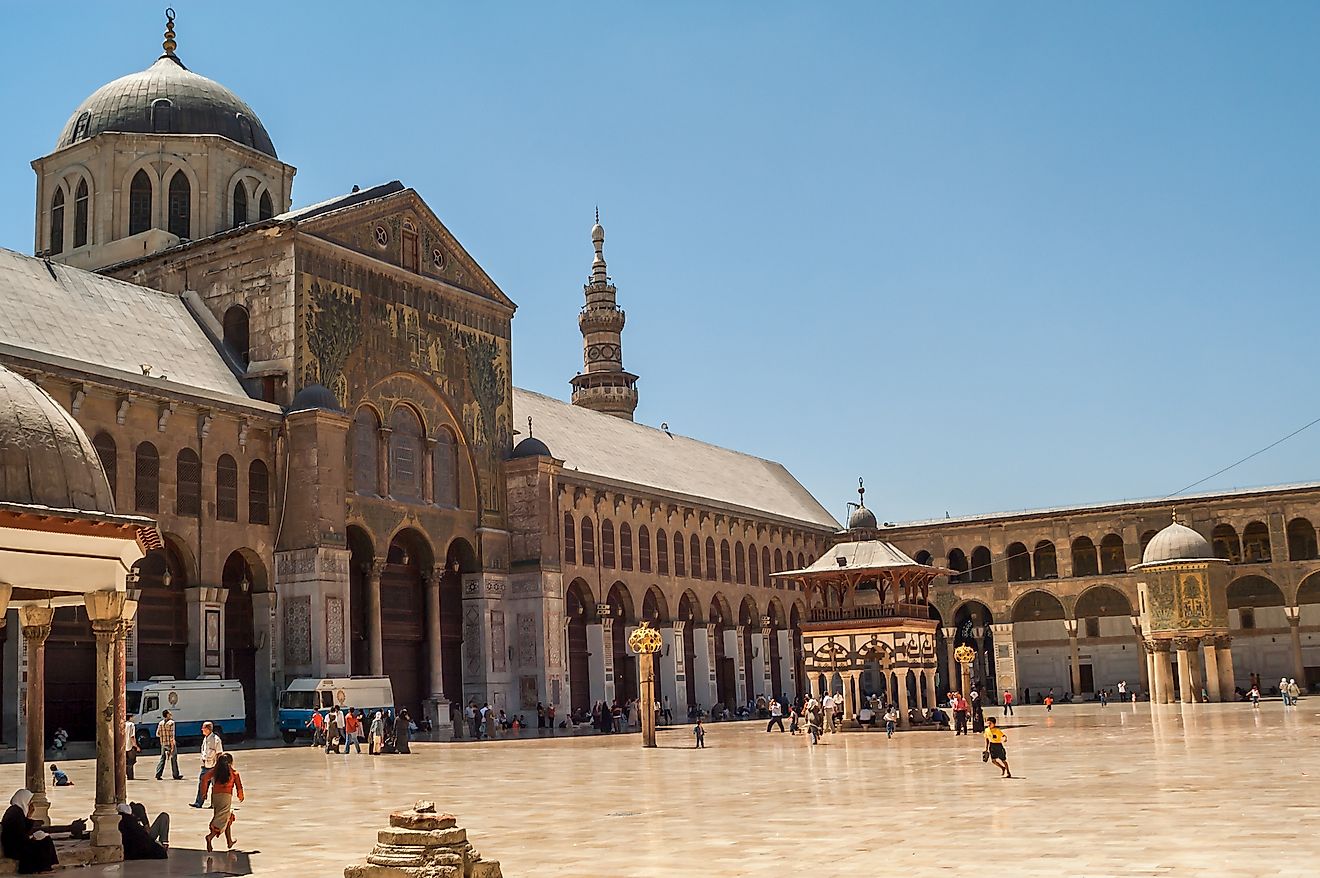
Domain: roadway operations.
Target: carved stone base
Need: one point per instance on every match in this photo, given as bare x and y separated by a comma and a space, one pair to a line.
422, 843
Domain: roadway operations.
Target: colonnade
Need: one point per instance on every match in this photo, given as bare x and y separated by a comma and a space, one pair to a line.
1202, 661
896, 690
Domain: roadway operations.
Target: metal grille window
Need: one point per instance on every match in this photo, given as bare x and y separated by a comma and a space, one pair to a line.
680, 565
695, 557
753, 575
588, 544
710, 560
188, 484
405, 455
139, 203
146, 478
607, 544
643, 549
57, 222
661, 553
80, 214
226, 489
258, 493
108, 452
625, 547
180, 206
570, 539
445, 462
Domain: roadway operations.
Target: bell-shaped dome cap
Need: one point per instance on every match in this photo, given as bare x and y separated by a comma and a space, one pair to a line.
1177, 542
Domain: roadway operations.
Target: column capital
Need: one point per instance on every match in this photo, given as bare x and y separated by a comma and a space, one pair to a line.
35, 622
1223, 641
678, 625
1185, 643
950, 632
999, 628
1158, 644
375, 568
1294, 615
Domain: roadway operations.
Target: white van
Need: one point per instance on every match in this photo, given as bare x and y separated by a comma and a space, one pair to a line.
308, 694
191, 703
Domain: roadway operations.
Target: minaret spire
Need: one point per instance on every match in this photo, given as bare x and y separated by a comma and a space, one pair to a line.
603, 385
169, 45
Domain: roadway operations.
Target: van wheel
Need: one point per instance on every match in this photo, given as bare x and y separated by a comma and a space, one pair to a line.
290, 737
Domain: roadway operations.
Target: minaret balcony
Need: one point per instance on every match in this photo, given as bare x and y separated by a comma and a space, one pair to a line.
601, 319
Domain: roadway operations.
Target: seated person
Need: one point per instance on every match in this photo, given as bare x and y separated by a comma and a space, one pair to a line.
61, 779
914, 716
143, 840
940, 718
866, 716
22, 838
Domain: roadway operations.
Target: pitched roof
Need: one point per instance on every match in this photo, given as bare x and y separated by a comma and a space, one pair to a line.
70, 318
622, 451
863, 556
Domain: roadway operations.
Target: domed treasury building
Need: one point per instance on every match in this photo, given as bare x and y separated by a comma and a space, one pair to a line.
315, 404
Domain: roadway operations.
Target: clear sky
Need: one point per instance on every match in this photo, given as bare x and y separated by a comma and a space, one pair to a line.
988, 256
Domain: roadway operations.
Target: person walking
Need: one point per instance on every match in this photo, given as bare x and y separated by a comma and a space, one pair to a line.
168, 748
827, 706
550, 717
1294, 692
1049, 702
994, 746
352, 726
776, 715
212, 748
1283, 691
1008, 703
793, 717
960, 711
131, 748
815, 721
1122, 691
224, 783
376, 734
1254, 697
334, 729
699, 732
402, 730
316, 723
891, 720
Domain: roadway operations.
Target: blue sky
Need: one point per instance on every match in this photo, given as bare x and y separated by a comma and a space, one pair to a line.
988, 256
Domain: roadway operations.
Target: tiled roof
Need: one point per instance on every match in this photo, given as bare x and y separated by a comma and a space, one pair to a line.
623, 451
65, 316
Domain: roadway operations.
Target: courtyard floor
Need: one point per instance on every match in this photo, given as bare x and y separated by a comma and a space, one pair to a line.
1130, 790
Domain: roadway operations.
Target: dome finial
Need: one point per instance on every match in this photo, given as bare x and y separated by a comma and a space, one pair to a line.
861, 493
169, 45
1175, 515
598, 272
529, 427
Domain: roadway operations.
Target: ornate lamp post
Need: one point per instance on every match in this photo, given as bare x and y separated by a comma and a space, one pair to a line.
965, 656
646, 642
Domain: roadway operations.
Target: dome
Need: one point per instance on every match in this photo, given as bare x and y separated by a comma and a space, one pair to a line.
315, 396
861, 518
1176, 543
531, 447
197, 106
45, 457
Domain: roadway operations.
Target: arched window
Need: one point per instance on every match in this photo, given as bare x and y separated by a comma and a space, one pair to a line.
1301, 540
239, 214
265, 210
779, 561
57, 222
588, 543
625, 546
236, 331
108, 452
661, 552
1085, 561
802, 561
570, 539
1045, 560
80, 206
139, 203
408, 252
765, 567
366, 457
405, 454
1112, 558
739, 563
226, 488
80, 127
445, 464
694, 557
644, 549
258, 493
1256, 543
1019, 563
982, 566
680, 565
958, 563
160, 115
188, 484
1225, 542
607, 544
710, 559
146, 478
179, 217
726, 566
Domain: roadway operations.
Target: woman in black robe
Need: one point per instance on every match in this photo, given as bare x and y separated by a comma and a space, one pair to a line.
23, 840
143, 840
401, 723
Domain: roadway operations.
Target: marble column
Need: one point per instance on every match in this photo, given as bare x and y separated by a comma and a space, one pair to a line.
439, 704
742, 673
767, 682
375, 640
901, 679
1211, 671
1224, 659
605, 613
849, 696
1295, 634
35, 622
1198, 672
1143, 669
931, 695
105, 610
1186, 686
1148, 661
677, 667
1074, 657
949, 635
702, 671
121, 706
1164, 671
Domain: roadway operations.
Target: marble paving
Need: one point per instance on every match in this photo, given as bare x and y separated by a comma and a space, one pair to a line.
1134, 790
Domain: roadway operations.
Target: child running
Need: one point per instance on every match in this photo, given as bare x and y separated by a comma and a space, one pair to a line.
994, 745
223, 782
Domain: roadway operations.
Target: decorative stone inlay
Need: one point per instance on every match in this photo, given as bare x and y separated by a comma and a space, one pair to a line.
423, 843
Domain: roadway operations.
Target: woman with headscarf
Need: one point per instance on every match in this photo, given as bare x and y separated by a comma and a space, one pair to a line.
401, 731
224, 783
377, 734
22, 838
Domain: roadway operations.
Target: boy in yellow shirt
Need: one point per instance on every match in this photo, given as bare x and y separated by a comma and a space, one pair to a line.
994, 745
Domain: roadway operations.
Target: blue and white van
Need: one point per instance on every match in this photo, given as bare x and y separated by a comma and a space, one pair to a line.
191, 703
310, 694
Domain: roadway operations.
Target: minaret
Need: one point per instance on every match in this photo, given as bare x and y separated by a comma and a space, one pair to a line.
603, 385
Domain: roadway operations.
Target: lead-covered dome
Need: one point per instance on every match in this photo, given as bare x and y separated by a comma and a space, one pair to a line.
1177, 542
166, 98
45, 457
862, 519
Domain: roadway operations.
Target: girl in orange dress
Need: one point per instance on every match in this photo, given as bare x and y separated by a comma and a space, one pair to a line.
224, 783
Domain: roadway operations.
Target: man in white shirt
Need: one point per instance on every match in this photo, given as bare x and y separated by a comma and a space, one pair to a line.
827, 704
211, 750
130, 746
776, 715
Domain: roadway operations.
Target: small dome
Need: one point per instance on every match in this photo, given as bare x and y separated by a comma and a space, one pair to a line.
315, 396
531, 447
45, 457
861, 518
197, 105
1177, 543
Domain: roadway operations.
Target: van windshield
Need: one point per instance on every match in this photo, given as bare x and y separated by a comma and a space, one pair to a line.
304, 700
133, 701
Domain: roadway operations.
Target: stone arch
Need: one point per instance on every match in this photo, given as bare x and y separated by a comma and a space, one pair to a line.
1254, 591
239, 578
922, 557
190, 223
409, 558
690, 609
1112, 554
625, 666
1019, 562
121, 219
982, 569
655, 609
1301, 540
1102, 600
460, 560
1037, 605
1045, 560
957, 561
1224, 538
579, 611
362, 553
1256, 543
1085, 558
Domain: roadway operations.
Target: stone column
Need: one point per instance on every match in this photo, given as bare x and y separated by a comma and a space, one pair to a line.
1186, 686
849, 696
703, 674
121, 706
742, 675
264, 605
439, 704
1295, 633
1143, 669
931, 694
1148, 662
375, 640
1211, 671
1164, 670
105, 610
1224, 659
767, 682
1005, 661
676, 664
383, 461
787, 680
35, 622
1198, 675
1074, 657
949, 635
900, 677
605, 613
